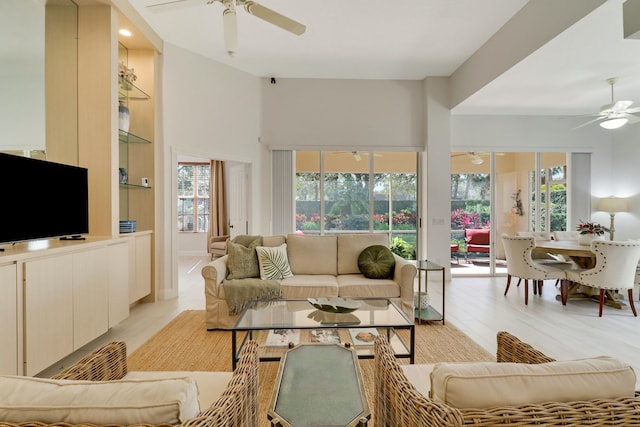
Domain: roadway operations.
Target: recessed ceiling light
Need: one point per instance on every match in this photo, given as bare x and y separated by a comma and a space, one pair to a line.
125, 32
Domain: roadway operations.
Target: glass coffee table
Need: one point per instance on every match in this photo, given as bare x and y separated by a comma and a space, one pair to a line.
278, 324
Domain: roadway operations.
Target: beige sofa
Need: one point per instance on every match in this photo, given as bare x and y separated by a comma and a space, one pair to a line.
322, 266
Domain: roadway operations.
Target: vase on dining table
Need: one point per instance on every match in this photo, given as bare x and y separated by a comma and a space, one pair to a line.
585, 239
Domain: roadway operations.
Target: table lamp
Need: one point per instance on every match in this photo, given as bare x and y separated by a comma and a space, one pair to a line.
612, 205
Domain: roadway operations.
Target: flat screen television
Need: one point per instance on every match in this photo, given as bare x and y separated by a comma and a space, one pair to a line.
41, 199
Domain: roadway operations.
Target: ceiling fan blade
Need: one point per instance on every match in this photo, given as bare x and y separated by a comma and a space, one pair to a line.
273, 17
632, 118
632, 110
589, 122
176, 4
621, 105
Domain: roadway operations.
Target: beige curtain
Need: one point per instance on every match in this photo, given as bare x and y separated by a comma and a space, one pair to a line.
218, 221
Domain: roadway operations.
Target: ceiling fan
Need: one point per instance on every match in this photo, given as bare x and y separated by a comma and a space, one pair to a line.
477, 158
229, 21
616, 114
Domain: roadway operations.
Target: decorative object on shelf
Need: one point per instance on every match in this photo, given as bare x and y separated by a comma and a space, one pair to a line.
128, 75
128, 226
334, 305
590, 231
123, 116
517, 207
612, 205
124, 177
421, 300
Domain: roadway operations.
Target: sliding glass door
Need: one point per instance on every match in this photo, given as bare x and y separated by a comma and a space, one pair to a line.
497, 193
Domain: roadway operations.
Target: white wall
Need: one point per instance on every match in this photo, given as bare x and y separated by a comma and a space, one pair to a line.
342, 114
209, 110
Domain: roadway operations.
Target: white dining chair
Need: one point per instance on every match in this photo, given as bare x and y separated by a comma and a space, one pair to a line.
520, 264
549, 259
615, 269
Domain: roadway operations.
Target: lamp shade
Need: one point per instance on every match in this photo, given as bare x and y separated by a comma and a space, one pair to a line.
612, 204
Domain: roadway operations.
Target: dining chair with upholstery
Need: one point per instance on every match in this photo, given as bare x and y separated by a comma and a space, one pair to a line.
520, 264
615, 270
549, 259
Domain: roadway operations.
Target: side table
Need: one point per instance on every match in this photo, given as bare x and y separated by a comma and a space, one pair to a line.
428, 313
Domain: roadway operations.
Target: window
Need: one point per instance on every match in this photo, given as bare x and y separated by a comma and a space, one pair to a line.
193, 197
358, 191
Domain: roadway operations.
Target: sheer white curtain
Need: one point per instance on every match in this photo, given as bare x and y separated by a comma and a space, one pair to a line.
283, 192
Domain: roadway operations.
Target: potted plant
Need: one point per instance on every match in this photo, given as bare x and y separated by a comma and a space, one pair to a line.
590, 231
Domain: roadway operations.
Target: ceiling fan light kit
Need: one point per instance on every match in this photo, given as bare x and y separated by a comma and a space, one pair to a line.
616, 114
230, 26
614, 123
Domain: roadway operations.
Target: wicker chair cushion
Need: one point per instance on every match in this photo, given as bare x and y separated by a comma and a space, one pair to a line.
487, 384
211, 385
124, 402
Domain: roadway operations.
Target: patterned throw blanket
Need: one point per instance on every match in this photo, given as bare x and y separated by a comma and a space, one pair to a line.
239, 291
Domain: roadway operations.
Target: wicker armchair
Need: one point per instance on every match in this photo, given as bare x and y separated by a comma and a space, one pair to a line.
236, 407
398, 403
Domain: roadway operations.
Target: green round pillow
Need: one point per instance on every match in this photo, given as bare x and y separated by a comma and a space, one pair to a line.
376, 262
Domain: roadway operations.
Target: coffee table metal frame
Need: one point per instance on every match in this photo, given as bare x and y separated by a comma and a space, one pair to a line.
379, 313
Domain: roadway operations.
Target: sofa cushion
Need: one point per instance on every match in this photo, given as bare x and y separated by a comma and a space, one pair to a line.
419, 375
377, 262
273, 240
303, 286
312, 254
358, 286
242, 260
274, 264
124, 402
486, 384
477, 236
351, 245
211, 385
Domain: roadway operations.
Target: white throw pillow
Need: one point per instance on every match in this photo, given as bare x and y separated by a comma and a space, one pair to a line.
124, 402
274, 264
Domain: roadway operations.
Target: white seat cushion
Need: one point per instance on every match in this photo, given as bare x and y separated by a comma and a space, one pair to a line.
486, 384
420, 376
124, 402
211, 385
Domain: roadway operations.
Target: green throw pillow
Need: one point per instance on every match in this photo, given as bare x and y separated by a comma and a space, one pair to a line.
376, 262
243, 261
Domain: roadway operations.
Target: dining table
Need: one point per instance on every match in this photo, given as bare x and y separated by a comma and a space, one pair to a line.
584, 258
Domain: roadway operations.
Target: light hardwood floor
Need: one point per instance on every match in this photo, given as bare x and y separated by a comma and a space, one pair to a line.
476, 305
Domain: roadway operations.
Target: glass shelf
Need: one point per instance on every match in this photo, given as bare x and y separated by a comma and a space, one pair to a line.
129, 138
128, 185
126, 89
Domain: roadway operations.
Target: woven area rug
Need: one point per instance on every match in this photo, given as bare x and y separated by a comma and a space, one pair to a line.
185, 345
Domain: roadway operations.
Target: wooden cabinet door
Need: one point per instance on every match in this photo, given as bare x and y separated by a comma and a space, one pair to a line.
141, 286
48, 311
90, 295
9, 319
118, 256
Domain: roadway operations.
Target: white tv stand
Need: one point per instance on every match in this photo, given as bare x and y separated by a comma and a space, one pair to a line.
58, 295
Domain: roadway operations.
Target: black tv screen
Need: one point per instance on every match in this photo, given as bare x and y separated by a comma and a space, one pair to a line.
41, 199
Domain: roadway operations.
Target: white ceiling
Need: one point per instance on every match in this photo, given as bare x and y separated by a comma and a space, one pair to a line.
413, 39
